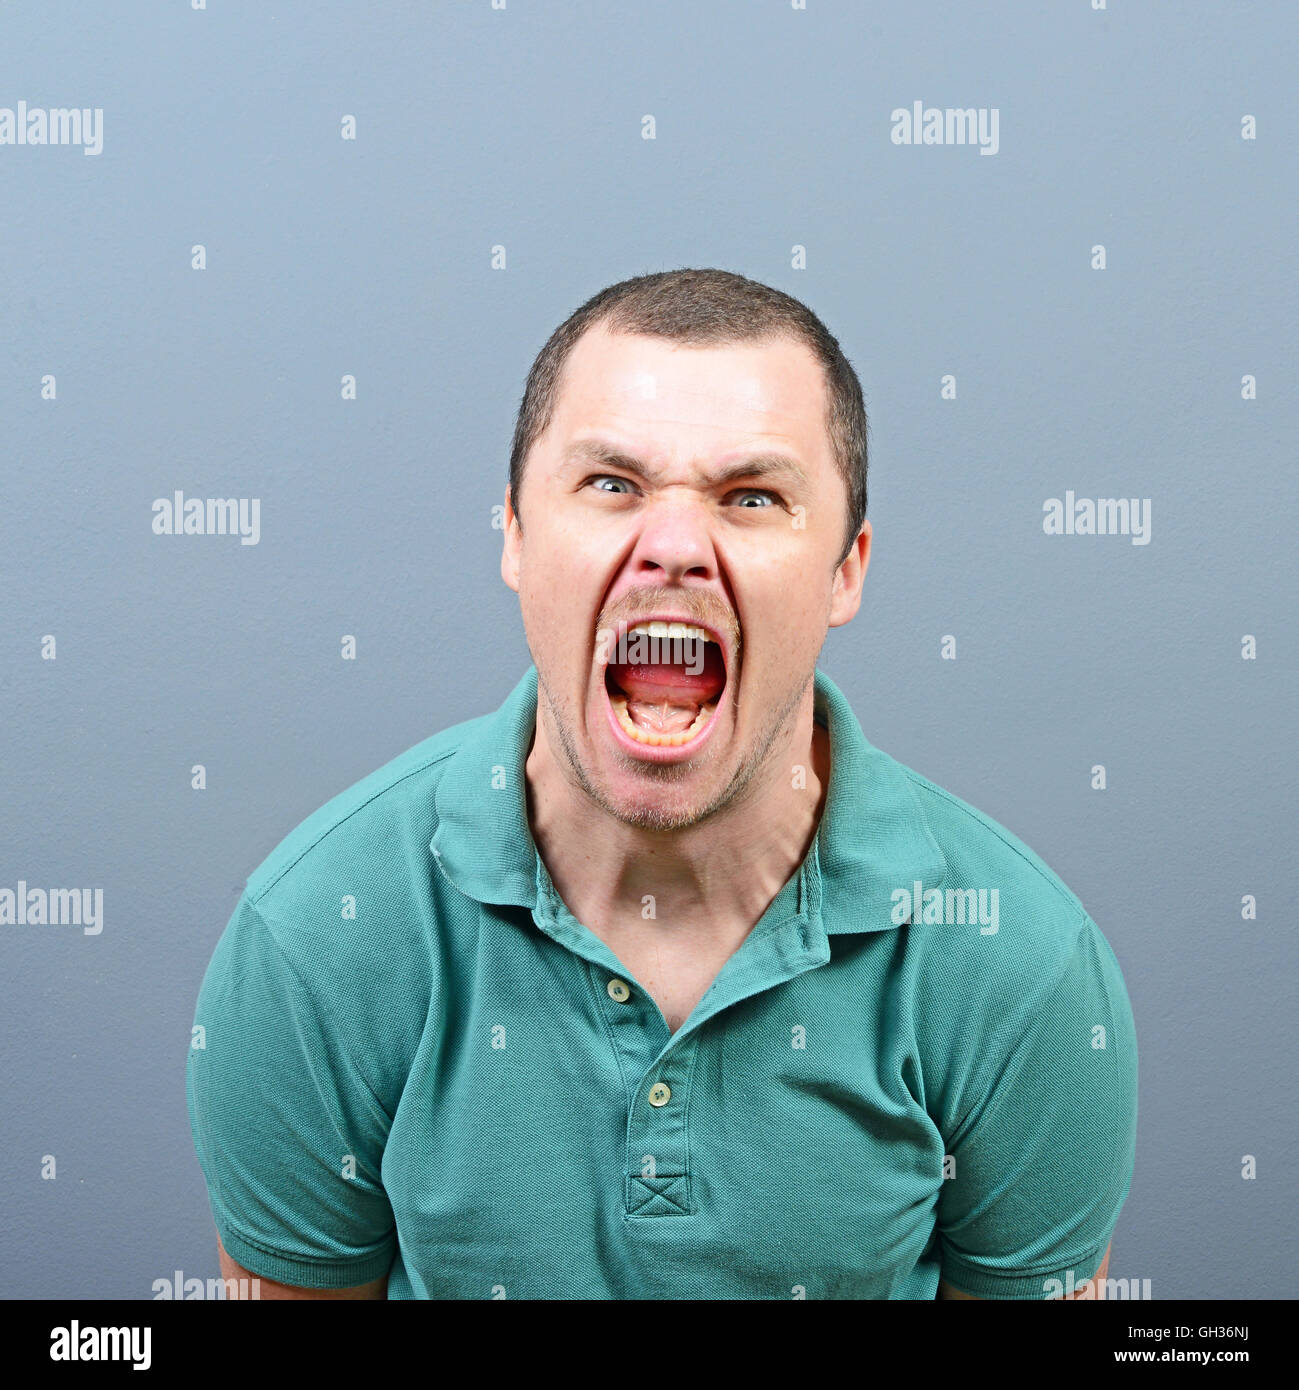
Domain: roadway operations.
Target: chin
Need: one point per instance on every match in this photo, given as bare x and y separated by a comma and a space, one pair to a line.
664, 797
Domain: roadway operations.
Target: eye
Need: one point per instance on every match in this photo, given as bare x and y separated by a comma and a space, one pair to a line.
610, 478
771, 497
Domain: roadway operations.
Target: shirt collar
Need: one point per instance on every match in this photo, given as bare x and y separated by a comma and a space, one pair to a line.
873, 838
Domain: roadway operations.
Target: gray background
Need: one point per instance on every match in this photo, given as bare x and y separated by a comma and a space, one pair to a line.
523, 127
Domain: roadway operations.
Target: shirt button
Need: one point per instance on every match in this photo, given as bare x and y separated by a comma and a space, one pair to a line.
619, 990
659, 1094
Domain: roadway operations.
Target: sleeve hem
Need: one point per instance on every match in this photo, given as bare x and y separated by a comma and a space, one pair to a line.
980, 1282
304, 1273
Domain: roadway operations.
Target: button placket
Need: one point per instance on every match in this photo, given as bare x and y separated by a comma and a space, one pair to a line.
658, 1179
656, 1064
633, 1025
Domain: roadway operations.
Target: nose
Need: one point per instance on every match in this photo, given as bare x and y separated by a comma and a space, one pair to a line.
674, 544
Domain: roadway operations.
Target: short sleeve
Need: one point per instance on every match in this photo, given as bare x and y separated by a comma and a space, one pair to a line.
1043, 1161
289, 1135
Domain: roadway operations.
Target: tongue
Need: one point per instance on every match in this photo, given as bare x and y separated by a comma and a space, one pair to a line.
664, 698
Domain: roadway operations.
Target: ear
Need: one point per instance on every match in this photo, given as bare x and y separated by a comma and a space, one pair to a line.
510, 553
849, 577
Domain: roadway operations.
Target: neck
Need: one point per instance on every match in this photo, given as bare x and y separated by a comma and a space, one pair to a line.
719, 876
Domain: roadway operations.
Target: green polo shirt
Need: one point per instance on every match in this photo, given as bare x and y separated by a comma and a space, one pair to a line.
410, 1059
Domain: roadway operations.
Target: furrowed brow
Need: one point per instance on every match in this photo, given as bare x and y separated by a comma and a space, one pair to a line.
774, 466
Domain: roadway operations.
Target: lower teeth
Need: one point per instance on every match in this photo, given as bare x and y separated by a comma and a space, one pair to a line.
619, 703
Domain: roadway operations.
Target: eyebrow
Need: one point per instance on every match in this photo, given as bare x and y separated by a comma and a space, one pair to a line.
763, 465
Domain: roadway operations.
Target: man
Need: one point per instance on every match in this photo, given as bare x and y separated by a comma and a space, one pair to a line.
661, 981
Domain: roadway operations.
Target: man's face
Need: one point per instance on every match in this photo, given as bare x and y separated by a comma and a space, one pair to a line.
641, 501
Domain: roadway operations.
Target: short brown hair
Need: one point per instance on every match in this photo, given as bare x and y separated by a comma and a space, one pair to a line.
704, 308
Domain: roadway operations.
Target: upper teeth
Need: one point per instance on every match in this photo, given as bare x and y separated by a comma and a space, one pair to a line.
658, 629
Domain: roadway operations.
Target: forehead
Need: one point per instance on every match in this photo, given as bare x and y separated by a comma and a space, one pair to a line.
671, 397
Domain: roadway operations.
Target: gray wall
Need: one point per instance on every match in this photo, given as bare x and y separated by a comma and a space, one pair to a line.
523, 127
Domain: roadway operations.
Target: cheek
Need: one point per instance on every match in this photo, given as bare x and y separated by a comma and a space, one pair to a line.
565, 564
789, 611
555, 597
802, 630
545, 565
547, 622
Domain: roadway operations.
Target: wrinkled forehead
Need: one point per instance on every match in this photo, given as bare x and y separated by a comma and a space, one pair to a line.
674, 401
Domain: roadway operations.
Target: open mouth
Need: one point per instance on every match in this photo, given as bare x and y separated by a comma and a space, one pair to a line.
665, 680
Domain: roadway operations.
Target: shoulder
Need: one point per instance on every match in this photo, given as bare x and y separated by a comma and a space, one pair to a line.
354, 826
352, 893
1031, 899
967, 833
344, 916
986, 866
995, 952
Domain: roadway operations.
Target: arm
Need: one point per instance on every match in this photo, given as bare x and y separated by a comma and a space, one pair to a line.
1043, 1159
1087, 1289
287, 1131
268, 1288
